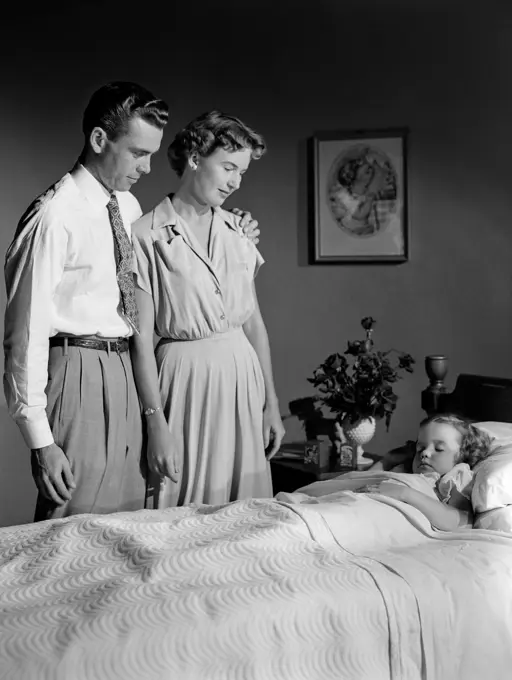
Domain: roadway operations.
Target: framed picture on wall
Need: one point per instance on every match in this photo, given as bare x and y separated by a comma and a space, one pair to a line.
358, 196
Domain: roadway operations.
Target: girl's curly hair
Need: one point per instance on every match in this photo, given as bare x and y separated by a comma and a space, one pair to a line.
209, 132
475, 443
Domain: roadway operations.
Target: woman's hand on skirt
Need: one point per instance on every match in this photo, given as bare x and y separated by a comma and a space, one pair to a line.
165, 455
273, 430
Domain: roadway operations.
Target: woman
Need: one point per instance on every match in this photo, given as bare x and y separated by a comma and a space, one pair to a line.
207, 391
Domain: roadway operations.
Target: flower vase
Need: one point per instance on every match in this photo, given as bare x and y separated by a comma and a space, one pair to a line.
357, 434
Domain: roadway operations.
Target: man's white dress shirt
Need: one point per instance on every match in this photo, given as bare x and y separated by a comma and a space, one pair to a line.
60, 274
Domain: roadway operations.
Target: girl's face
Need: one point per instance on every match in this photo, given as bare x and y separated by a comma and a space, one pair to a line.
365, 173
437, 448
219, 175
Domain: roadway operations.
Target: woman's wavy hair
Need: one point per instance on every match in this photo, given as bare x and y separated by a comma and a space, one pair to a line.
475, 443
209, 132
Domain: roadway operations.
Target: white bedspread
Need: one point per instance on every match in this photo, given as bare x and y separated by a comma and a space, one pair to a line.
342, 586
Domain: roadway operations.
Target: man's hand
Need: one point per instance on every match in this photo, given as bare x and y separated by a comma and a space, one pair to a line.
52, 474
248, 225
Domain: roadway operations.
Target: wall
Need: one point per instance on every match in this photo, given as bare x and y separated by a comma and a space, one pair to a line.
322, 65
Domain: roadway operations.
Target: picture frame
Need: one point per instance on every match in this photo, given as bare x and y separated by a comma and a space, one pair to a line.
358, 197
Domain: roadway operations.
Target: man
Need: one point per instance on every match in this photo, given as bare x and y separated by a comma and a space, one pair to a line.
71, 310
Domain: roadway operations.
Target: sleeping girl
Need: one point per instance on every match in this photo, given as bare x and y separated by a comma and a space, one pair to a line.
447, 450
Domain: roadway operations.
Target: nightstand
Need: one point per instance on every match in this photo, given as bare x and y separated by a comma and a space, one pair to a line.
290, 473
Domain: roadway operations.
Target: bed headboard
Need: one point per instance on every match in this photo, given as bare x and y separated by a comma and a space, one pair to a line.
477, 397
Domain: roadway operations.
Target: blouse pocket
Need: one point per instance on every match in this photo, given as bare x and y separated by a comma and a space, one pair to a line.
241, 266
173, 256
240, 273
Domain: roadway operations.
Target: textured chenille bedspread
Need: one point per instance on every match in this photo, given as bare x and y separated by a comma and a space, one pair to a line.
329, 584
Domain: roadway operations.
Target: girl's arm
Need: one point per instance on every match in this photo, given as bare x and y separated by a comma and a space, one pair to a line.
440, 515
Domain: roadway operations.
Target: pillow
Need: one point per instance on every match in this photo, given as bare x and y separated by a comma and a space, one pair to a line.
492, 487
499, 519
500, 432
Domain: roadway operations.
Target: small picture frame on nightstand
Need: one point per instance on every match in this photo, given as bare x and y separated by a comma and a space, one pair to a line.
345, 456
317, 453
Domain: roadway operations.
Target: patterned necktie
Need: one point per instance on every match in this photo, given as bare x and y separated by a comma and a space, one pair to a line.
124, 264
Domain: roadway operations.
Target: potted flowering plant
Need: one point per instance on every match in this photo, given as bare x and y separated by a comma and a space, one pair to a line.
308, 411
357, 386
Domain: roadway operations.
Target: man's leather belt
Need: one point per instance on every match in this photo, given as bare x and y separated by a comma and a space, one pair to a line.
119, 345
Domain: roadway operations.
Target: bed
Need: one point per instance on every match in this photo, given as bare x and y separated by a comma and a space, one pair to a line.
292, 588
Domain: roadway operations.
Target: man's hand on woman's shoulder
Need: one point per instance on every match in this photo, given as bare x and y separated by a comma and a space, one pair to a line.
248, 225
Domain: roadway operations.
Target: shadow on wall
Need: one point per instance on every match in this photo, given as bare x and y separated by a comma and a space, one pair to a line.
18, 491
